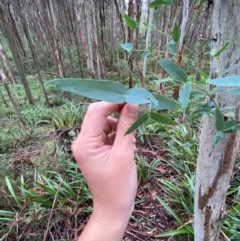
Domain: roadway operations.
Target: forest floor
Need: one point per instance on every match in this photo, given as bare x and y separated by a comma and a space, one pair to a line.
44, 196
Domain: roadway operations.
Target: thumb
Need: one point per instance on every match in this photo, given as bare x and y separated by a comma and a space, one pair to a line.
127, 117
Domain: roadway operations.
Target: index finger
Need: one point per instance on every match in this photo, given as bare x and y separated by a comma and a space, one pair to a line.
96, 118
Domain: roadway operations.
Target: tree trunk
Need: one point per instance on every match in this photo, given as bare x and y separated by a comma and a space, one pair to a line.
32, 48
215, 165
148, 39
15, 51
185, 14
88, 47
130, 40
100, 67
4, 81
52, 31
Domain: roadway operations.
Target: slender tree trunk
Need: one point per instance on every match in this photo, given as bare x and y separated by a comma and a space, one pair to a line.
88, 46
3, 99
75, 29
148, 39
215, 165
130, 38
4, 81
8, 69
100, 67
121, 20
7, 65
34, 54
15, 51
51, 25
181, 40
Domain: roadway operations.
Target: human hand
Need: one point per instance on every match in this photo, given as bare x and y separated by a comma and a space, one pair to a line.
106, 159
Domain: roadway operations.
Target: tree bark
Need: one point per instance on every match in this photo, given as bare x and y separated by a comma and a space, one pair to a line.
34, 54
15, 51
100, 67
215, 165
148, 39
4, 81
130, 40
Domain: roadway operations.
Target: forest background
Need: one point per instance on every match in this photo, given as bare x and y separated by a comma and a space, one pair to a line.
43, 194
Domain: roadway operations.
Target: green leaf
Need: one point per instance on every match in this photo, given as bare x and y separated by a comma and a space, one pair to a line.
200, 112
96, 89
173, 232
172, 48
176, 33
209, 105
184, 94
146, 54
170, 210
145, 24
220, 125
165, 103
234, 91
158, 3
139, 96
162, 119
130, 22
137, 123
231, 126
217, 138
203, 74
197, 94
226, 81
127, 46
226, 71
11, 190
215, 90
222, 49
173, 70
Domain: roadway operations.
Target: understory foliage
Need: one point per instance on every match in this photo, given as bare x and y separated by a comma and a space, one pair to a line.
43, 194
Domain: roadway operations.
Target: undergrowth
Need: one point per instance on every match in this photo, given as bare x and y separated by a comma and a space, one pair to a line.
43, 194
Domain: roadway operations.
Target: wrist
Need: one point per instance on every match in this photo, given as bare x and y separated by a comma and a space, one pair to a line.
108, 227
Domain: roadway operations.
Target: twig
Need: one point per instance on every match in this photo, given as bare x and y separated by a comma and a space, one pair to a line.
224, 236
51, 213
137, 238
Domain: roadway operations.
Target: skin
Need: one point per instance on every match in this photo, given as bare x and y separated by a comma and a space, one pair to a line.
106, 159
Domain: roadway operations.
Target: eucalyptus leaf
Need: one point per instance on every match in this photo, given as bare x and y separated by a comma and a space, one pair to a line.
173, 70
127, 46
226, 71
200, 112
220, 125
215, 90
217, 138
140, 96
162, 119
105, 90
146, 54
209, 105
197, 94
231, 126
172, 48
130, 22
165, 103
176, 33
234, 91
226, 81
137, 123
184, 94
158, 3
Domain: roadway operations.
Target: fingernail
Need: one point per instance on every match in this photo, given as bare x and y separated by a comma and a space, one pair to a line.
132, 110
